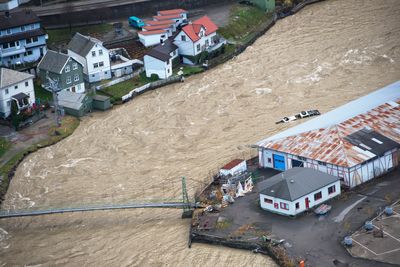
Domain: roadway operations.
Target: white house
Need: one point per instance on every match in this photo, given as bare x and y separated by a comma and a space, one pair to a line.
93, 56
159, 60
165, 27
162, 22
233, 167
197, 37
355, 142
150, 38
6, 5
297, 190
179, 19
182, 12
15, 86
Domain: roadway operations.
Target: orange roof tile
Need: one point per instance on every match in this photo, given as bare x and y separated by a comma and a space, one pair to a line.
172, 11
157, 27
329, 144
176, 16
157, 22
192, 30
151, 32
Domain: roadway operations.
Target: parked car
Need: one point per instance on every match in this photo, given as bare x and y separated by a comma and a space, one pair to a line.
135, 22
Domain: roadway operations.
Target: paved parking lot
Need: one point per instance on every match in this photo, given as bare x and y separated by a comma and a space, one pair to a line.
386, 249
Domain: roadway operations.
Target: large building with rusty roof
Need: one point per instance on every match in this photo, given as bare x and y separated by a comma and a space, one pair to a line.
356, 142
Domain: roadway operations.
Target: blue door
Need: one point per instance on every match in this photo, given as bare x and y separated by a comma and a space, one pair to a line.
279, 162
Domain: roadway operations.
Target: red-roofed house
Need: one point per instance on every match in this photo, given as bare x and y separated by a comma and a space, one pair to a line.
233, 167
175, 17
179, 11
161, 22
199, 36
165, 27
154, 37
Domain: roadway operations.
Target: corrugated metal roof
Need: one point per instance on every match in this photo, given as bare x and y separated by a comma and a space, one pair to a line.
342, 113
328, 144
232, 164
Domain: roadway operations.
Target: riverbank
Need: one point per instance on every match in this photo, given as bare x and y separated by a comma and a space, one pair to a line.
38, 136
317, 240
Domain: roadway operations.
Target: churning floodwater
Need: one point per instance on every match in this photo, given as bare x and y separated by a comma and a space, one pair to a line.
324, 56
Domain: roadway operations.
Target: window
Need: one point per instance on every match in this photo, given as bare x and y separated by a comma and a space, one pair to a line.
12, 44
269, 160
74, 66
8, 31
95, 65
101, 64
32, 26
7, 91
331, 189
105, 72
67, 68
26, 84
321, 163
177, 20
68, 79
267, 200
317, 196
22, 28
302, 158
9, 103
183, 38
100, 52
5, 46
284, 206
16, 87
93, 53
198, 47
207, 42
297, 205
28, 53
17, 43
76, 77
28, 41
35, 39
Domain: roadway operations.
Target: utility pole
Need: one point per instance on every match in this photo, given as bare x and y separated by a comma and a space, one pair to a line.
53, 86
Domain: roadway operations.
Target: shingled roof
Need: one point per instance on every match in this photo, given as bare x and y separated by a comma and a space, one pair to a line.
81, 44
162, 51
192, 30
295, 183
17, 18
9, 77
53, 61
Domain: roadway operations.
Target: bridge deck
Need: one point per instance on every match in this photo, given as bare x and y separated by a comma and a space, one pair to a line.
23, 213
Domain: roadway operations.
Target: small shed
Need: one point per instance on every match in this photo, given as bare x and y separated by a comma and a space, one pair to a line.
233, 167
297, 190
101, 102
75, 104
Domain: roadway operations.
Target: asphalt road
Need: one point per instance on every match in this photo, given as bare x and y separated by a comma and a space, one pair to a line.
317, 239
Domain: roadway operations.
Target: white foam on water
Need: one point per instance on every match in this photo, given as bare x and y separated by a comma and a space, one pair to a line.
263, 91
73, 162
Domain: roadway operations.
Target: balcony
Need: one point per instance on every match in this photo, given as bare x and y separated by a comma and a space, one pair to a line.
218, 42
12, 51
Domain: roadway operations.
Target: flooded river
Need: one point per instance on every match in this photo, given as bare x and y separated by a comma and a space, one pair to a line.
322, 57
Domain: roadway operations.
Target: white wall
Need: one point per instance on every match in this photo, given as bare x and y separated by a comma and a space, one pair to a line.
155, 66
184, 47
103, 72
267, 161
5, 108
153, 39
302, 205
79, 88
241, 167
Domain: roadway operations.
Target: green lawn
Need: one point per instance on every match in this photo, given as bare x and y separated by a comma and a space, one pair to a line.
118, 90
189, 70
4, 146
243, 21
58, 36
42, 94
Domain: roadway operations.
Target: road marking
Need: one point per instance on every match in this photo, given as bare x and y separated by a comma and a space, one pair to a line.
365, 247
341, 216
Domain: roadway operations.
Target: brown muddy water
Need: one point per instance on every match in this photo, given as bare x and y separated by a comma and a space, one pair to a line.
322, 57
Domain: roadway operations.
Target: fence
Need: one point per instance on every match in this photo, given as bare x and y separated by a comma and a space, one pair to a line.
151, 86
120, 80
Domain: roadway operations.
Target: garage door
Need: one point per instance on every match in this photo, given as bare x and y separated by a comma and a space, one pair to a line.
279, 162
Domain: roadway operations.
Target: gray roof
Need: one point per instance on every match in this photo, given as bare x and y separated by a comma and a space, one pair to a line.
9, 77
82, 44
100, 97
342, 113
53, 61
295, 183
162, 51
18, 18
70, 100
